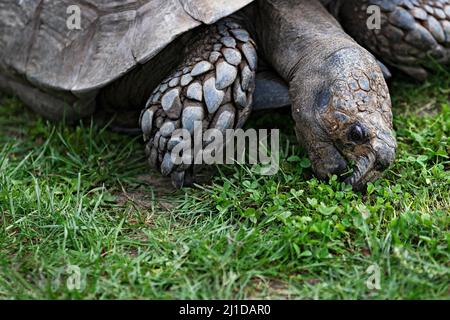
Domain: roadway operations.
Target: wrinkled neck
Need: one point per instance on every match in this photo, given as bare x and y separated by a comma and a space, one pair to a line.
296, 36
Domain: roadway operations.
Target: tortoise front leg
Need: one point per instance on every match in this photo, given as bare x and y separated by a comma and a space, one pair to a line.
213, 86
411, 32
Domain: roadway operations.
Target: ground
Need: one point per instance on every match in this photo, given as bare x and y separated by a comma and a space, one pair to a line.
80, 200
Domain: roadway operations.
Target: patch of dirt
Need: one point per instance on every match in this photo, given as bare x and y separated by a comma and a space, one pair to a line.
365, 252
161, 185
138, 198
269, 289
157, 191
152, 196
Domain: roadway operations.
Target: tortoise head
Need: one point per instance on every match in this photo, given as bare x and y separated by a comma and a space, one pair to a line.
350, 122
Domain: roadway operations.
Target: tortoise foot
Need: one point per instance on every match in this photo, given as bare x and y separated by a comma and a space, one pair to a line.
212, 88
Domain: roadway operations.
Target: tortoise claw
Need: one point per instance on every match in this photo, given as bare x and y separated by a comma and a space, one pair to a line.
178, 179
386, 72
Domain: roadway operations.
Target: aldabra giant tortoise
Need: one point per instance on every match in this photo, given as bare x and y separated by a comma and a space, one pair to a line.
176, 62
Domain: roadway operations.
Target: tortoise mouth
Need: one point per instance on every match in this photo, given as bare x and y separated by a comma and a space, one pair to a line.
360, 170
369, 167
362, 174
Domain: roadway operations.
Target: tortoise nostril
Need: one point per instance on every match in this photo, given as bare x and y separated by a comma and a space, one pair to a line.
357, 134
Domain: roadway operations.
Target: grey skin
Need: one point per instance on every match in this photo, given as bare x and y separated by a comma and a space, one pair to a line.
119, 62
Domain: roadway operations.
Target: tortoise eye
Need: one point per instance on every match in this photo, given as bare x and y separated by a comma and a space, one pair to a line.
357, 134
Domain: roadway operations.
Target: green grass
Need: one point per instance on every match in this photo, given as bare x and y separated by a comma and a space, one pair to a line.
84, 196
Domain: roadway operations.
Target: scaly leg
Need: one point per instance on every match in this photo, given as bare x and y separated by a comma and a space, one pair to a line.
411, 31
214, 86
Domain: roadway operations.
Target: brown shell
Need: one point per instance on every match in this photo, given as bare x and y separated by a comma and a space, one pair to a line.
115, 36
